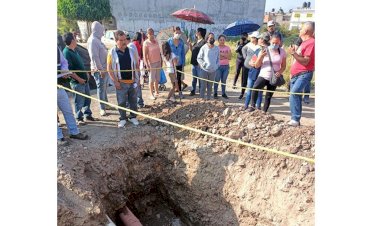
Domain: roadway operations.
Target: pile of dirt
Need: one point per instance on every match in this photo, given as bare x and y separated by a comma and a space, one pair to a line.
171, 176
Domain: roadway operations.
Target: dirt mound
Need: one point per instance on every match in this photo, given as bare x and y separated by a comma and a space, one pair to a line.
171, 176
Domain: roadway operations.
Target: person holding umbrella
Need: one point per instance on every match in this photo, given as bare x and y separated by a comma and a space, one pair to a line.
194, 48
240, 59
208, 60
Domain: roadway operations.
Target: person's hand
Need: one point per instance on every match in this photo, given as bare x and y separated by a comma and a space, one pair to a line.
278, 74
292, 49
117, 85
102, 74
66, 76
81, 81
263, 53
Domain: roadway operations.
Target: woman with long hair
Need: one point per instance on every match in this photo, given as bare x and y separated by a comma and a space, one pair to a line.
170, 60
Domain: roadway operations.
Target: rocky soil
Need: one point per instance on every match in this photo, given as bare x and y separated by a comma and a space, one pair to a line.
171, 176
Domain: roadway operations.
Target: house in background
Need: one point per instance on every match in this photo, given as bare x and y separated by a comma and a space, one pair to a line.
280, 18
300, 16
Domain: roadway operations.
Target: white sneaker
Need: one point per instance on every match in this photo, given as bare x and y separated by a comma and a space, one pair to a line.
121, 124
103, 113
152, 98
134, 121
293, 123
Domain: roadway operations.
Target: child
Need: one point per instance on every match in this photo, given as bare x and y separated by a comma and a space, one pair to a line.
170, 60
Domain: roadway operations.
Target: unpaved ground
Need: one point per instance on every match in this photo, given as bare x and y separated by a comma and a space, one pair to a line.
154, 168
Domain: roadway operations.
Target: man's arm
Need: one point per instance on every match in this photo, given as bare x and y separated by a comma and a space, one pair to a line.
73, 75
111, 72
304, 60
200, 57
94, 55
218, 59
146, 58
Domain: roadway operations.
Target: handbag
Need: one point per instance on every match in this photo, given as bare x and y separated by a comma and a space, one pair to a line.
274, 80
163, 79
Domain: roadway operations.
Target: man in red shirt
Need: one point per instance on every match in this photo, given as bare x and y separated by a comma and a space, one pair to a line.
301, 70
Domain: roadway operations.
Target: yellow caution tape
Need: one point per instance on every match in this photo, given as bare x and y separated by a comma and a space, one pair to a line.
310, 94
196, 130
111, 70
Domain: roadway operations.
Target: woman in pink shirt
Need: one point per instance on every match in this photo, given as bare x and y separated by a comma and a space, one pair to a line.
224, 68
152, 60
278, 58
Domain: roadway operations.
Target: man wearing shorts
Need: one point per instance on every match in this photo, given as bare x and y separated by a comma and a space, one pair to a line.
152, 60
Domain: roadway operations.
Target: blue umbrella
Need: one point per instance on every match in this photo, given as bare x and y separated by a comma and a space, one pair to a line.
240, 26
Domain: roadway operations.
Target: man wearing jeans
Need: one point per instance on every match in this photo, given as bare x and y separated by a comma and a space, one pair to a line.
195, 69
98, 55
79, 80
208, 60
64, 104
121, 57
301, 70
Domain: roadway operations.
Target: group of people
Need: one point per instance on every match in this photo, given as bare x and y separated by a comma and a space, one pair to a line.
260, 58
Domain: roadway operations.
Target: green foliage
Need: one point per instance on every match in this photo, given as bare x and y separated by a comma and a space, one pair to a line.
66, 25
87, 10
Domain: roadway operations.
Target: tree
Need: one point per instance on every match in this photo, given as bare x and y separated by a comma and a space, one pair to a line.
66, 25
86, 10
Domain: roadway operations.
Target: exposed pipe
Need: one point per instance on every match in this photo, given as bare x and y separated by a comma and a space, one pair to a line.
128, 218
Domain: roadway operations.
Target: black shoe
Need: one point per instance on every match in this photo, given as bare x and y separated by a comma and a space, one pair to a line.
89, 118
215, 96
225, 96
192, 93
79, 136
241, 96
250, 109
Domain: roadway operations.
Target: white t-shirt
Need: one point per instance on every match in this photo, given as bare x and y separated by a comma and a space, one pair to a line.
169, 63
266, 70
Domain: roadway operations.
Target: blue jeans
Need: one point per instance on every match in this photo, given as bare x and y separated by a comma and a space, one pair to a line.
101, 88
140, 100
252, 76
307, 90
297, 85
126, 94
221, 75
81, 103
63, 103
196, 71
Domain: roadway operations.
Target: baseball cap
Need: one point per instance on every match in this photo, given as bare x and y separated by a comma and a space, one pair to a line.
270, 23
254, 34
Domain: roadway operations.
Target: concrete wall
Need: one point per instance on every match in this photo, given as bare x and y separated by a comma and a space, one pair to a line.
132, 15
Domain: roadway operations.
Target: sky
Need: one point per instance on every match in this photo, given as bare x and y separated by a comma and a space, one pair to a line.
286, 4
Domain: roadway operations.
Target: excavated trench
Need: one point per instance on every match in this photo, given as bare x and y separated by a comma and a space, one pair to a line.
167, 176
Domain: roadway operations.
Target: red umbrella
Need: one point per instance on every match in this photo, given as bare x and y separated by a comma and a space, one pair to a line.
193, 15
